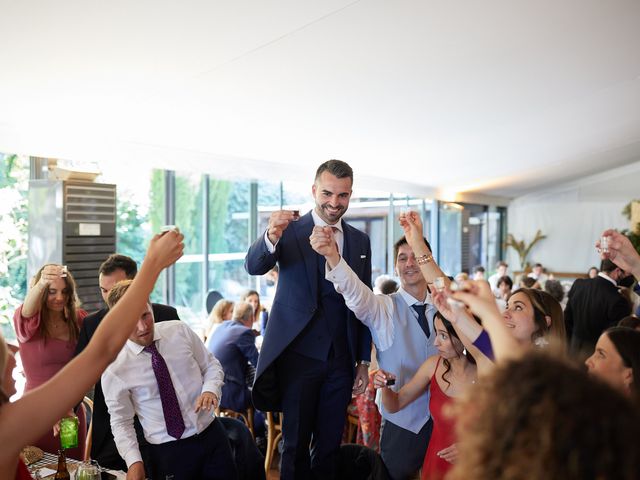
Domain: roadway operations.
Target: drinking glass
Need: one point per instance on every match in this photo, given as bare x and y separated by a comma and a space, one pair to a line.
88, 471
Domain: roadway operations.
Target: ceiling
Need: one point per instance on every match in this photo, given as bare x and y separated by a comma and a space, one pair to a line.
495, 98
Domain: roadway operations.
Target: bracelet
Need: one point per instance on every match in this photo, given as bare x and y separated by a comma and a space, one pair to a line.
424, 259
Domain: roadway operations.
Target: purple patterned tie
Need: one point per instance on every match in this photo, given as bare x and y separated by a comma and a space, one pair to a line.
170, 405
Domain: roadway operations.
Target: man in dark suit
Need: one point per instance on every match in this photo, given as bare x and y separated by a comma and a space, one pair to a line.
594, 305
113, 269
234, 345
314, 346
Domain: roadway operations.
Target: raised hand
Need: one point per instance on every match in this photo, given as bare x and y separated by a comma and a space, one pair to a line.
411, 224
51, 273
621, 252
278, 223
165, 248
323, 241
477, 295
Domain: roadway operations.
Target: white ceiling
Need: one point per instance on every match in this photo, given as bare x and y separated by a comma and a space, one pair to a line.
435, 97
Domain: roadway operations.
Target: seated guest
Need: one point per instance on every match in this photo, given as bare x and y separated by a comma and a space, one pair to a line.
166, 368
593, 272
47, 326
114, 269
504, 285
501, 271
22, 422
260, 314
478, 272
555, 289
233, 344
537, 273
529, 282
221, 311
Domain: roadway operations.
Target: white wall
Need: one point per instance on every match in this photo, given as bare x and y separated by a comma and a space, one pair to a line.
572, 216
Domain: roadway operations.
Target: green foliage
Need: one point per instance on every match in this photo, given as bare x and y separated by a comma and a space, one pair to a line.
522, 248
14, 175
132, 236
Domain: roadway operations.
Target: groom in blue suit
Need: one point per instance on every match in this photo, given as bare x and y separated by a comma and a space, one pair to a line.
314, 348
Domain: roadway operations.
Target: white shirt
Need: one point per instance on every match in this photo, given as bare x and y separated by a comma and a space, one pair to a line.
130, 387
375, 311
318, 222
608, 278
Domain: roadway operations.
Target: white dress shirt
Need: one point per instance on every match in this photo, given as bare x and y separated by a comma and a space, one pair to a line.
375, 311
608, 278
130, 387
318, 222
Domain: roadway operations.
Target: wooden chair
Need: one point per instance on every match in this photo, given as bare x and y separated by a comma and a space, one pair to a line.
87, 404
246, 417
274, 434
352, 428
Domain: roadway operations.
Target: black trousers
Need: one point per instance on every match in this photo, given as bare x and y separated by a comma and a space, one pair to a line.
315, 395
205, 456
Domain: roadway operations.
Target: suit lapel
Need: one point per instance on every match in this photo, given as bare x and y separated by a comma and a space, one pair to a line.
349, 249
303, 229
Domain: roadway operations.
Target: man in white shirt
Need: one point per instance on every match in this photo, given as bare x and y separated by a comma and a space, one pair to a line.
165, 376
402, 342
501, 271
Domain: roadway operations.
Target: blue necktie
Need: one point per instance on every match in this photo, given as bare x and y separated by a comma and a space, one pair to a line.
422, 318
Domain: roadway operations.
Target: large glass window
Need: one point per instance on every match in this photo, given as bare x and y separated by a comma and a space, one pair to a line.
229, 207
14, 175
188, 270
450, 238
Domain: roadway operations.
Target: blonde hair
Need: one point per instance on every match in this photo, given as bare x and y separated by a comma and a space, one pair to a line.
117, 292
70, 315
217, 312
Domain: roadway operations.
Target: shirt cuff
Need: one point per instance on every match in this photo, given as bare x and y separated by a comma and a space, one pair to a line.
270, 247
132, 456
336, 274
216, 390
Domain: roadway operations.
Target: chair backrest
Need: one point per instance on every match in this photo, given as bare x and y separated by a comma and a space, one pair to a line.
87, 404
212, 298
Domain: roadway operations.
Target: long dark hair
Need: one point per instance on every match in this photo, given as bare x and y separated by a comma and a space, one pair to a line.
456, 346
70, 315
627, 343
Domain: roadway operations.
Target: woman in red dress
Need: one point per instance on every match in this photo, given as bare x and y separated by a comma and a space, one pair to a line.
447, 375
47, 326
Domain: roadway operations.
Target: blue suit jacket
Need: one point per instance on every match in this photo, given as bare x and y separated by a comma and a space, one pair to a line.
296, 299
234, 346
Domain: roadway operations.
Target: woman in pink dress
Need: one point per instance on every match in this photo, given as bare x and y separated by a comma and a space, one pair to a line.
47, 326
447, 376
